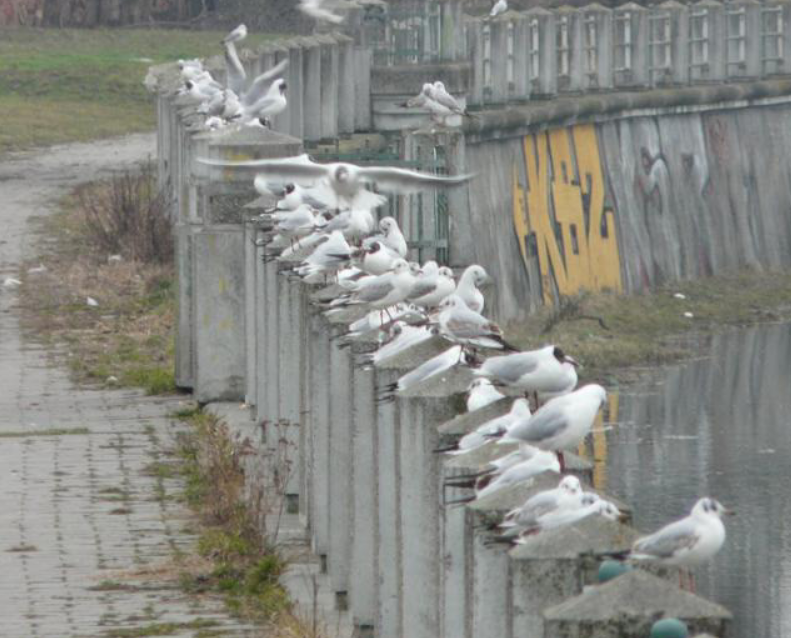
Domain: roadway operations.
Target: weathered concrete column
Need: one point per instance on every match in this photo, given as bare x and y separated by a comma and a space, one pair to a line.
330, 83
363, 61
295, 91
626, 607
475, 45
499, 32
570, 46
521, 88
346, 81
552, 567
311, 89
597, 47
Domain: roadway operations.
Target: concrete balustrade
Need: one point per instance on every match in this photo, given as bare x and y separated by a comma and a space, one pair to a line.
363, 478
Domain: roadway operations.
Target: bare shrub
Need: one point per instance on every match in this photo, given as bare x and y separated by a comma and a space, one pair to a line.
128, 216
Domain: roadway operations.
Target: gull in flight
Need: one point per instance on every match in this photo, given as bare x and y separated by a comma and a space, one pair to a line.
561, 423
348, 181
685, 543
481, 393
237, 35
317, 10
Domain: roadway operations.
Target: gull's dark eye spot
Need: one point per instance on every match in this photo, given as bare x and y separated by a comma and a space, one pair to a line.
559, 354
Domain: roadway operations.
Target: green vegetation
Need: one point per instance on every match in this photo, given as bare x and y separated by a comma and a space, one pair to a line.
608, 333
244, 568
63, 85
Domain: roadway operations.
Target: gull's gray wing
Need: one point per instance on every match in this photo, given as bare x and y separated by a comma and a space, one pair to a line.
669, 540
545, 424
291, 169
374, 291
422, 288
404, 180
510, 368
446, 99
262, 105
236, 73
261, 84
532, 508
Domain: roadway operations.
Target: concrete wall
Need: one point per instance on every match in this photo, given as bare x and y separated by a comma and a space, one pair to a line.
628, 202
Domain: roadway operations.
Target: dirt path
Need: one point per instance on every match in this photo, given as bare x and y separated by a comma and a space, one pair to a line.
89, 530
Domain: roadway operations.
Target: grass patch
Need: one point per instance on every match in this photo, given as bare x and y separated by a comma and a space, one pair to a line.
241, 563
610, 333
64, 85
127, 340
49, 432
112, 585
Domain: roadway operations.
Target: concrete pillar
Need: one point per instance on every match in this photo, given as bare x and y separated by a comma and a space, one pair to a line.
346, 82
295, 91
668, 45
499, 32
311, 89
706, 35
363, 579
521, 80
597, 47
363, 60
330, 83
743, 34
475, 45
542, 52
627, 606
630, 43
341, 467
218, 289
282, 122
568, 39
550, 568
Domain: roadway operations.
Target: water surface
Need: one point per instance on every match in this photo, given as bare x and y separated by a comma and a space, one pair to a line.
718, 426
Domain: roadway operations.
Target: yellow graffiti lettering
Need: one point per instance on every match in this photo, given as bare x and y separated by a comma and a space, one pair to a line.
561, 218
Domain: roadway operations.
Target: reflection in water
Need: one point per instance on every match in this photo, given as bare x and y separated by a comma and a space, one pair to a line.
717, 427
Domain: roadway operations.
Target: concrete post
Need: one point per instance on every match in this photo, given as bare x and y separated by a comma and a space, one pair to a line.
542, 52
626, 607
347, 79
499, 33
363, 60
311, 89
475, 45
568, 38
330, 82
552, 567
707, 31
743, 39
521, 88
630, 39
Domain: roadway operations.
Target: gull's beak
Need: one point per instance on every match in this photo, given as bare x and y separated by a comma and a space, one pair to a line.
728, 512
573, 362
623, 517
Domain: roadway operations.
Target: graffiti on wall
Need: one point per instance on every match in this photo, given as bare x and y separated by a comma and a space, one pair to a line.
561, 217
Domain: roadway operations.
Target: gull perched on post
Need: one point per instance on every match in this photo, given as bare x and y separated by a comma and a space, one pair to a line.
500, 7
685, 543
348, 181
237, 35
561, 423
460, 324
568, 494
548, 371
471, 279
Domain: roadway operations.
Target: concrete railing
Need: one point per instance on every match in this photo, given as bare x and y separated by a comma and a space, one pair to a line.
366, 482
543, 53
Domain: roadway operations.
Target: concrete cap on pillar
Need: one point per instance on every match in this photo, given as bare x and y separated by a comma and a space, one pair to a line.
627, 606
590, 536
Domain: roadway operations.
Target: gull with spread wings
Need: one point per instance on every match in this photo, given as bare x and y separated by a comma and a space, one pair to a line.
348, 181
